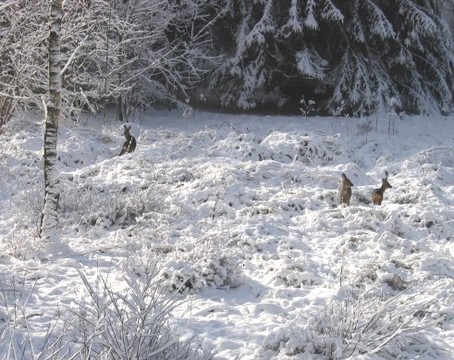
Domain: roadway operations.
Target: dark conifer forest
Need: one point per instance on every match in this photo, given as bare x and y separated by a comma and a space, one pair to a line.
338, 57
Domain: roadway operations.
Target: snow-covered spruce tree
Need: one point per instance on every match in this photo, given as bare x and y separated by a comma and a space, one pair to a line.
398, 51
49, 223
362, 53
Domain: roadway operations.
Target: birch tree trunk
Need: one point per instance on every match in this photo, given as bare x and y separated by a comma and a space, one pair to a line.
49, 221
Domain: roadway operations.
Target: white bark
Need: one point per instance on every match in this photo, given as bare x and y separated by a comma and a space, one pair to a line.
49, 224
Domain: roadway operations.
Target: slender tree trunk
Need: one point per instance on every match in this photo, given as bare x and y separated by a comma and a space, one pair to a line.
49, 220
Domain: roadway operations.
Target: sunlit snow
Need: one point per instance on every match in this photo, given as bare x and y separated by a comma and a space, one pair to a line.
241, 214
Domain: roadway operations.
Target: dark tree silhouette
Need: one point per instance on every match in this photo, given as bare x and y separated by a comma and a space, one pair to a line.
361, 55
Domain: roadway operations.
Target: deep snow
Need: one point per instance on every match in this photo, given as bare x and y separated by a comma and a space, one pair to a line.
241, 213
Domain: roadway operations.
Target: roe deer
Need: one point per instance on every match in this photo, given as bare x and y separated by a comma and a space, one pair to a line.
345, 190
377, 194
130, 144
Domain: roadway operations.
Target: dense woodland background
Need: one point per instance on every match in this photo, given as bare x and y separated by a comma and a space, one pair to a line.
339, 57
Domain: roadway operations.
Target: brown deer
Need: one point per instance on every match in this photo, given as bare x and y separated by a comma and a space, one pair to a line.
130, 144
345, 190
377, 194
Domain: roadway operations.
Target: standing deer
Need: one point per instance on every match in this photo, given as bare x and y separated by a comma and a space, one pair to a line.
130, 144
377, 194
345, 190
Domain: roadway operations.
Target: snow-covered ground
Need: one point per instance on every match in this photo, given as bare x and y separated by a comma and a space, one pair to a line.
241, 215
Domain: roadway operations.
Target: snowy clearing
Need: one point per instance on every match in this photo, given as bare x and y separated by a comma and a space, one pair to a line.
242, 217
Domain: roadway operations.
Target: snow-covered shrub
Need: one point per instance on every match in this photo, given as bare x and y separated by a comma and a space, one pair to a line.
89, 205
357, 324
309, 149
365, 127
30, 207
19, 338
396, 283
296, 272
21, 244
306, 106
14, 290
246, 146
338, 110
208, 263
134, 323
261, 208
103, 324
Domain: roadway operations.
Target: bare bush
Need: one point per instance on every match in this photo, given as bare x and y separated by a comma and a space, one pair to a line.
91, 205
132, 325
21, 244
19, 336
358, 324
106, 324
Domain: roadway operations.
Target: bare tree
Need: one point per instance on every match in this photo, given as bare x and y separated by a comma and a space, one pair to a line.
134, 54
22, 55
49, 221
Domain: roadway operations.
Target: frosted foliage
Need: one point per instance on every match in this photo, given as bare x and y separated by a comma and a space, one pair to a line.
243, 29
310, 21
265, 26
375, 24
422, 23
204, 265
330, 11
379, 24
358, 324
135, 54
254, 77
311, 64
293, 23
234, 53
356, 80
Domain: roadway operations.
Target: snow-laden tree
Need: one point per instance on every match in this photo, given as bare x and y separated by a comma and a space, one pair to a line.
400, 51
362, 53
23, 59
134, 53
273, 47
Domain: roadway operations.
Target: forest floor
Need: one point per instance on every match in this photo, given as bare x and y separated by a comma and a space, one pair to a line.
240, 214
